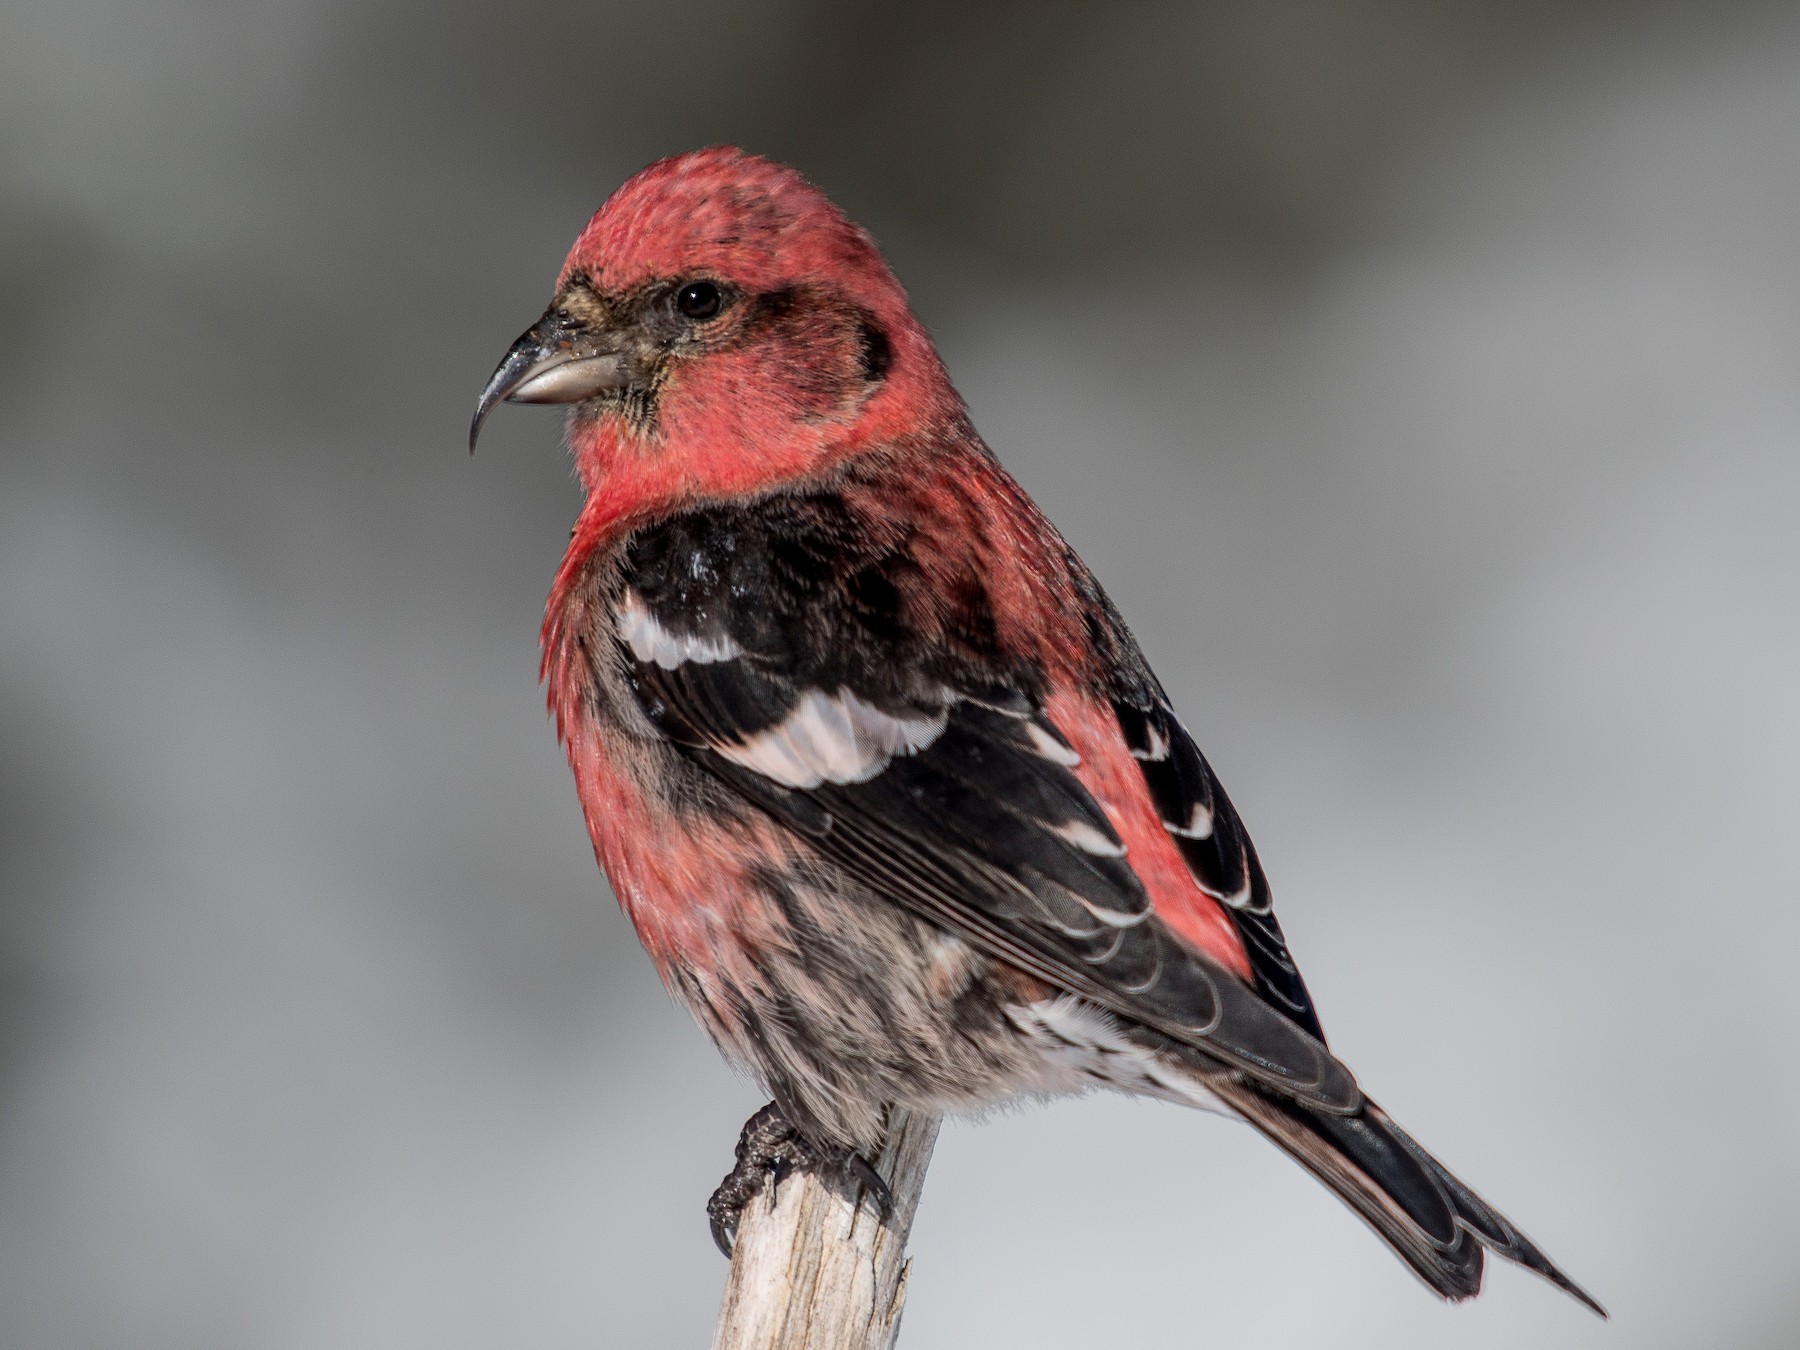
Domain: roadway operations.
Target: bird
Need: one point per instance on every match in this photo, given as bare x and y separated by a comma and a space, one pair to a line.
872, 763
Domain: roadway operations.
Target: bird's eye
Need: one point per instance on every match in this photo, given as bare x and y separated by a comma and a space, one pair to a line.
699, 300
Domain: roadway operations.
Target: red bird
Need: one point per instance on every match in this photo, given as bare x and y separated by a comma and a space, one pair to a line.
873, 764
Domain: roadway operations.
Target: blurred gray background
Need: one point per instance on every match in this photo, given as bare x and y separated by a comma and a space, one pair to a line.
1422, 380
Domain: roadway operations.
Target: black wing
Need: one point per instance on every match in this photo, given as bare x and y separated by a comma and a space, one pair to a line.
1213, 842
769, 642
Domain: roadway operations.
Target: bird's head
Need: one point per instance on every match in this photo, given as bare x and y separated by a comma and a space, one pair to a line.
720, 327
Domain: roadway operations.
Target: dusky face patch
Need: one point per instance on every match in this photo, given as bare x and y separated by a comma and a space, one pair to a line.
877, 351
823, 355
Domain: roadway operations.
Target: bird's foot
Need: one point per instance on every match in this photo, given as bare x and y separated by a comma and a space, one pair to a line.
769, 1149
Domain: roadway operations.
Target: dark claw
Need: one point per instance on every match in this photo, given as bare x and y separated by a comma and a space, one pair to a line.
859, 1170
762, 1154
769, 1149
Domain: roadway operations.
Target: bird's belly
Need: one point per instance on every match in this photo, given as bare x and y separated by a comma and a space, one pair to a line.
837, 1000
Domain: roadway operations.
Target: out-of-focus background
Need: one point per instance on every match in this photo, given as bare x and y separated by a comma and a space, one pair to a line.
1424, 381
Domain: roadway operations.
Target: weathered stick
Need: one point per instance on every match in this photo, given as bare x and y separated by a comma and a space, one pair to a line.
810, 1272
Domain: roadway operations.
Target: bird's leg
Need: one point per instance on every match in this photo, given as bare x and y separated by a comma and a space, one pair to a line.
770, 1148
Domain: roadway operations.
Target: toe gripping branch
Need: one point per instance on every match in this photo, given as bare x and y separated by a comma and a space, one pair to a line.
769, 1149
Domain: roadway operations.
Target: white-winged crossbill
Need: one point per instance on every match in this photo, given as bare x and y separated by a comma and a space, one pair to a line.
873, 764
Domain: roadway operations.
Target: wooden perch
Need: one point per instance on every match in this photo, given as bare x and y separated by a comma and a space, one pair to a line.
812, 1272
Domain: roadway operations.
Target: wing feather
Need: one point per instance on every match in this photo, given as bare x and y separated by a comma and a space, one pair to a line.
770, 642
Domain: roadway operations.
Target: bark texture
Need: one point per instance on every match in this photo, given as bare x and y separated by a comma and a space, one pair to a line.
812, 1272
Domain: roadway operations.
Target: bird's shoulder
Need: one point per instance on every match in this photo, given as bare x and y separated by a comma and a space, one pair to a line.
882, 578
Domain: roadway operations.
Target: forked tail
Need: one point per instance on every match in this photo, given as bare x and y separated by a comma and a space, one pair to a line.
1436, 1224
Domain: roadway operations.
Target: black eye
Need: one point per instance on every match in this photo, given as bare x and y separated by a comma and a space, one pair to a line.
699, 300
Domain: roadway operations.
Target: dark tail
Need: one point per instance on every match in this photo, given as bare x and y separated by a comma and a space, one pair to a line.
1436, 1224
